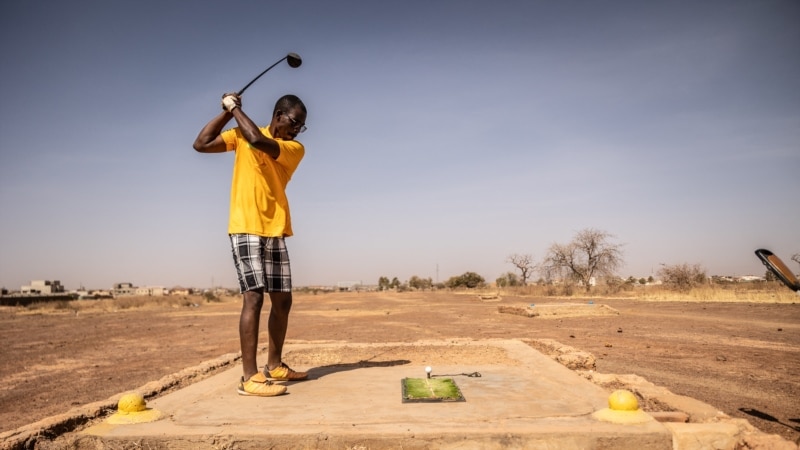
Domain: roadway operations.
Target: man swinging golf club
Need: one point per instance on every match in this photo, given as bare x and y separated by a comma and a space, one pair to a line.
265, 159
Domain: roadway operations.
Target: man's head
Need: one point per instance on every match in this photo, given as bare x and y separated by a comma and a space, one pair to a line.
288, 118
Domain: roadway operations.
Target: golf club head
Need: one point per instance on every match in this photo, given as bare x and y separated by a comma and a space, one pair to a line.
777, 267
294, 60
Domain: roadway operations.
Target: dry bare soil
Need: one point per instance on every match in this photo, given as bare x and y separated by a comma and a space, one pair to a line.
742, 358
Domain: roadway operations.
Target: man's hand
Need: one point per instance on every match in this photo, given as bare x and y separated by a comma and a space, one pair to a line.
231, 102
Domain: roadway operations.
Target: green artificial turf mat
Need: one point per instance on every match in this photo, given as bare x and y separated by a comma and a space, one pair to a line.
431, 390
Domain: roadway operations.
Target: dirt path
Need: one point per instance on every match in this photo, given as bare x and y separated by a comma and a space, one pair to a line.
743, 358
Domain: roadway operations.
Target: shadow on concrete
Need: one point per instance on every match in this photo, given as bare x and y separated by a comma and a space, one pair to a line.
319, 372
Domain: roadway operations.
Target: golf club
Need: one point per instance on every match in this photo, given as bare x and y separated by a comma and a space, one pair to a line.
777, 267
292, 58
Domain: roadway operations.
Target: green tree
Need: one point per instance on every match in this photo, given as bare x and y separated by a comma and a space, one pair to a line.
418, 283
383, 284
467, 280
508, 279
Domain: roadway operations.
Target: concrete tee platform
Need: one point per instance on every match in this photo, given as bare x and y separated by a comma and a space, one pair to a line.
525, 401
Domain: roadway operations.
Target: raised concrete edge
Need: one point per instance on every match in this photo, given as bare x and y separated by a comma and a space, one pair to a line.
49, 428
686, 435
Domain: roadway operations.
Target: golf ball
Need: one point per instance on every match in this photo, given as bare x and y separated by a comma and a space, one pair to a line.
428, 369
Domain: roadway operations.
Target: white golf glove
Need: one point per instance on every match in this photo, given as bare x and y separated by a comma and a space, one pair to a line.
230, 102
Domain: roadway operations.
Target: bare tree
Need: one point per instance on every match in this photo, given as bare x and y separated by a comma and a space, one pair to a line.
525, 265
590, 253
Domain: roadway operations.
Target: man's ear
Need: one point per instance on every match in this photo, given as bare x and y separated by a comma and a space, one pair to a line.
276, 116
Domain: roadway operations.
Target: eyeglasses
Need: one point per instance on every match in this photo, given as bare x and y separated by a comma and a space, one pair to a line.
296, 124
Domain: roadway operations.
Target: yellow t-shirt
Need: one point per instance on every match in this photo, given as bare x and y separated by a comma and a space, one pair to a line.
258, 189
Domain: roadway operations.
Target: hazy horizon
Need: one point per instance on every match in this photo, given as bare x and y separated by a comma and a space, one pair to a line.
489, 282
443, 136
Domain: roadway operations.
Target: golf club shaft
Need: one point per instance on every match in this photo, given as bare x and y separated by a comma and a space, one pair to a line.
259, 75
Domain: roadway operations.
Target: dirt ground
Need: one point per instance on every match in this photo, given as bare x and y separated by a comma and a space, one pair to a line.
742, 358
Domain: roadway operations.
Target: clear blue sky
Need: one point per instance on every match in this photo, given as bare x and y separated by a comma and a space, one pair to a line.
443, 136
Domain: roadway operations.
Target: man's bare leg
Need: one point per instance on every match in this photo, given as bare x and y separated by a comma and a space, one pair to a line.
248, 330
277, 325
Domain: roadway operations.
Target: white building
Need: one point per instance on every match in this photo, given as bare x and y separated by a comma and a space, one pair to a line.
43, 287
123, 289
153, 291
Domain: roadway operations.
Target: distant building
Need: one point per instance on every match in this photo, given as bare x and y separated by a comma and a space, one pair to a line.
43, 287
750, 278
348, 285
157, 291
178, 290
83, 294
123, 289
127, 289
153, 291
592, 282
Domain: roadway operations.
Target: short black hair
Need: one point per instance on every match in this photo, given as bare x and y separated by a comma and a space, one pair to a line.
288, 102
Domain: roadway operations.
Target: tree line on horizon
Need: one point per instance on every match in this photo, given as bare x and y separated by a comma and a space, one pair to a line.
591, 254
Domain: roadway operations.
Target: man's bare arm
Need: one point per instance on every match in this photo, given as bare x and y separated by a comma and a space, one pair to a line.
254, 136
209, 140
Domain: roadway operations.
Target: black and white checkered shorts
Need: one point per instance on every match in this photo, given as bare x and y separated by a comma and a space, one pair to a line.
261, 262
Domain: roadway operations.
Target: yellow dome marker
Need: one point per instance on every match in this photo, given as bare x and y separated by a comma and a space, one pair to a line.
623, 408
132, 408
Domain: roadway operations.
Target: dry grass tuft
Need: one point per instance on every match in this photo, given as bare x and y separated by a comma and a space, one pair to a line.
731, 293
765, 292
118, 304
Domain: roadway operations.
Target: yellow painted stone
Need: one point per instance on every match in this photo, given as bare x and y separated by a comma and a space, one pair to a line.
623, 408
132, 408
623, 400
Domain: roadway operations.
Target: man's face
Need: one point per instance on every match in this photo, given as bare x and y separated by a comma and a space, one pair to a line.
289, 123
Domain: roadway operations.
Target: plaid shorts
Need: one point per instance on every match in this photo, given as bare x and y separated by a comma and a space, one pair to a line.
261, 262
